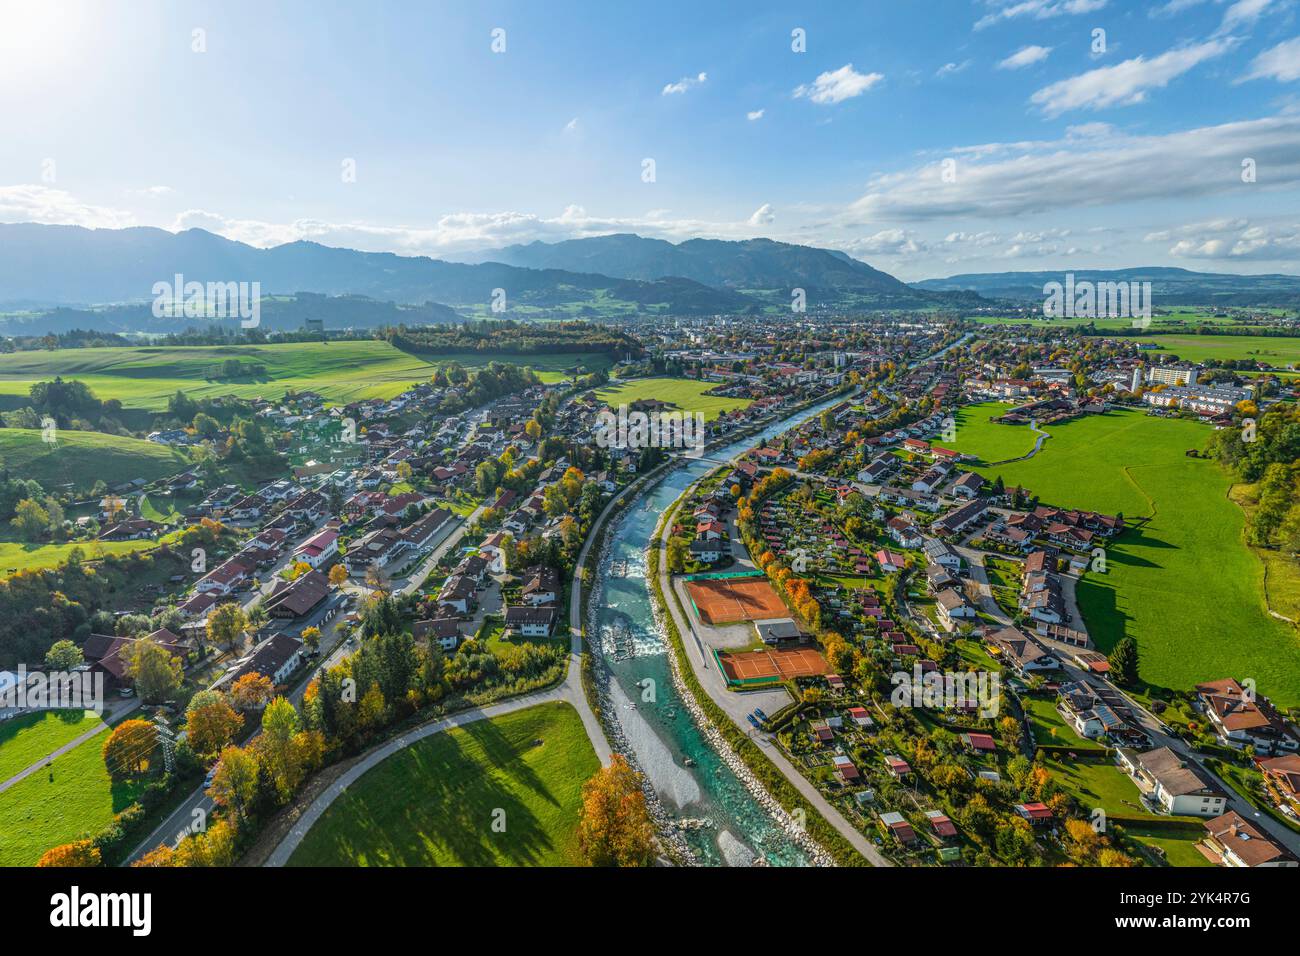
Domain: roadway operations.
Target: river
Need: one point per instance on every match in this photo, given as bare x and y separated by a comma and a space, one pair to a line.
660, 732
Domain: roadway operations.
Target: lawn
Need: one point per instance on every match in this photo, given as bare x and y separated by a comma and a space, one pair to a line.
82, 458
433, 804
1184, 583
147, 376
27, 739
1099, 784
24, 555
686, 393
39, 813
986, 440
1049, 727
1179, 847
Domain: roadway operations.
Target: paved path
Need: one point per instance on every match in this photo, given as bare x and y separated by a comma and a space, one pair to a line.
715, 685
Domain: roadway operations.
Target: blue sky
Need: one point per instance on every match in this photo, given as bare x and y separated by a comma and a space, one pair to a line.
928, 138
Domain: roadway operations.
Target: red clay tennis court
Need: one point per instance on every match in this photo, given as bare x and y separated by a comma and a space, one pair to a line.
728, 600
755, 666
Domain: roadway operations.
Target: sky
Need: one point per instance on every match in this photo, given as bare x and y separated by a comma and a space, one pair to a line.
926, 137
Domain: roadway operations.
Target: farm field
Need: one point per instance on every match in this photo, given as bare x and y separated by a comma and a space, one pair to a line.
25, 555
686, 393
26, 739
83, 458
1272, 350
432, 804
986, 440
38, 813
145, 377
1173, 582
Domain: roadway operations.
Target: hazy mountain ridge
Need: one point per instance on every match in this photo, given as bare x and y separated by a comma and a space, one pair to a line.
1169, 285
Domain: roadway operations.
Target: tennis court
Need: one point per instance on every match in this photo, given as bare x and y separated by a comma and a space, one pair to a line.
737, 599
757, 666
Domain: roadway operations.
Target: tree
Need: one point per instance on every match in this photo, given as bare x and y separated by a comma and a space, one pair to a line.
234, 785
1124, 662
77, 853
252, 691
226, 624
286, 754
311, 637
63, 656
212, 847
31, 520
155, 670
210, 722
338, 574
129, 747
615, 828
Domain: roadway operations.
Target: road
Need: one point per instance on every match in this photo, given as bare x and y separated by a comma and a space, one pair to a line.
569, 691
1146, 721
715, 686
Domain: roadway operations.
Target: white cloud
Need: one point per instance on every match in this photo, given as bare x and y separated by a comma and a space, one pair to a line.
1025, 56
753, 115
1233, 239
152, 192
684, 84
835, 86
763, 215
1125, 83
1242, 14
571, 126
1101, 169
38, 203
1281, 62
886, 242
951, 69
1035, 10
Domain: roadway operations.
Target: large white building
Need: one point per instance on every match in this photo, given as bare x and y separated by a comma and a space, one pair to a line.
1171, 375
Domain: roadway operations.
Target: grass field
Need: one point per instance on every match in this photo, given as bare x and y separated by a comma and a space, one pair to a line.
1099, 784
986, 440
1183, 583
38, 813
1179, 847
24, 555
433, 804
145, 377
1276, 351
686, 393
83, 458
26, 739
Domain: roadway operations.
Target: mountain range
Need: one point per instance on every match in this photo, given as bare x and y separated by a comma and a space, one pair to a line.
54, 278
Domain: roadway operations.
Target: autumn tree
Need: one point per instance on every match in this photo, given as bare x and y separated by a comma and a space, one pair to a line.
311, 637
252, 691
156, 671
234, 785
211, 722
614, 828
129, 747
286, 753
227, 624
214, 846
338, 574
77, 853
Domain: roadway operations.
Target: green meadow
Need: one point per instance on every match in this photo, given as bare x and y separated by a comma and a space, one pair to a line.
1276, 351
1183, 582
147, 376
82, 458
434, 803
686, 393
986, 440
25, 740
72, 798
24, 555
